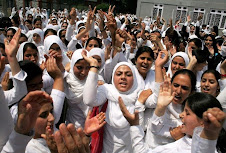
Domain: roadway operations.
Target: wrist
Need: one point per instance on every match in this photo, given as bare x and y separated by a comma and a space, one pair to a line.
96, 67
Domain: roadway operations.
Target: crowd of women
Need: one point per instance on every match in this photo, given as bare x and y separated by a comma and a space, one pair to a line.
92, 81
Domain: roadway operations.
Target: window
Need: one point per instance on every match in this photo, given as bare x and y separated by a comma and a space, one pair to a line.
157, 11
181, 13
217, 18
196, 13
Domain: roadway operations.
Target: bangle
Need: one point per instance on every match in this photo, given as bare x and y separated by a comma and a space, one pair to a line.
97, 67
223, 75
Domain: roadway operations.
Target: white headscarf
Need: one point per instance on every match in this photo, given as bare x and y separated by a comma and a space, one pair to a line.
99, 52
75, 86
40, 33
114, 116
53, 39
20, 53
181, 54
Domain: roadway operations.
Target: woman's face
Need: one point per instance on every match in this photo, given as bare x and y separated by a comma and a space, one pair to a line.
49, 34
81, 69
92, 44
63, 36
44, 119
144, 63
209, 84
98, 58
35, 84
38, 24
123, 78
85, 37
36, 38
181, 85
192, 29
56, 48
31, 55
9, 35
190, 121
208, 41
178, 63
192, 45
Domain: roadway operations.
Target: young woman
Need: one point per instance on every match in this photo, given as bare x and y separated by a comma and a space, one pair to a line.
166, 117
37, 37
179, 61
124, 84
74, 86
28, 51
210, 82
192, 117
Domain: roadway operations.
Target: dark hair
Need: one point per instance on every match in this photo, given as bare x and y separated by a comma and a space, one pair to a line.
16, 19
215, 29
29, 45
219, 41
23, 35
214, 42
50, 30
144, 49
197, 42
199, 103
190, 74
94, 38
11, 29
29, 21
2, 46
201, 55
32, 69
37, 19
173, 37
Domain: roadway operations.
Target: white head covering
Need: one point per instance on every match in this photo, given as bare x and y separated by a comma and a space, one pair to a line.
75, 86
20, 53
181, 54
40, 33
114, 116
98, 52
53, 39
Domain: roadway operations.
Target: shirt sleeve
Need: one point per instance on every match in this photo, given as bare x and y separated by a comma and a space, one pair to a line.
58, 102
19, 90
92, 94
137, 135
201, 145
69, 32
16, 143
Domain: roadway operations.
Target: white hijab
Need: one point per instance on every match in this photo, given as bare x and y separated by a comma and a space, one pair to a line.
181, 54
20, 53
40, 33
114, 116
75, 86
52, 39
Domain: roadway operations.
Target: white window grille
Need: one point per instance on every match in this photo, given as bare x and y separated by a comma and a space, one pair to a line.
181, 14
157, 11
217, 18
196, 13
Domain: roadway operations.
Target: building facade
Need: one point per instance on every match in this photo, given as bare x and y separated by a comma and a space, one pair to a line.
213, 11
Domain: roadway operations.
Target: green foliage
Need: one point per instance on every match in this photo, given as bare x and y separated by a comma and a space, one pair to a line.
81, 7
103, 6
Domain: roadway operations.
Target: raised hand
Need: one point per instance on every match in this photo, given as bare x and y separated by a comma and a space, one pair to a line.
49, 137
68, 139
28, 110
162, 58
5, 81
213, 121
165, 98
92, 61
95, 123
133, 119
73, 16
144, 96
52, 68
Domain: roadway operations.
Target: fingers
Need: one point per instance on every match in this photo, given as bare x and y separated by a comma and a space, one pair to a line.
68, 139
76, 137
60, 143
85, 140
17, 35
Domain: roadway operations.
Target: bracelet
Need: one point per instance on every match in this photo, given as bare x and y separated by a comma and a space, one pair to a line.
223, 75
97, 67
